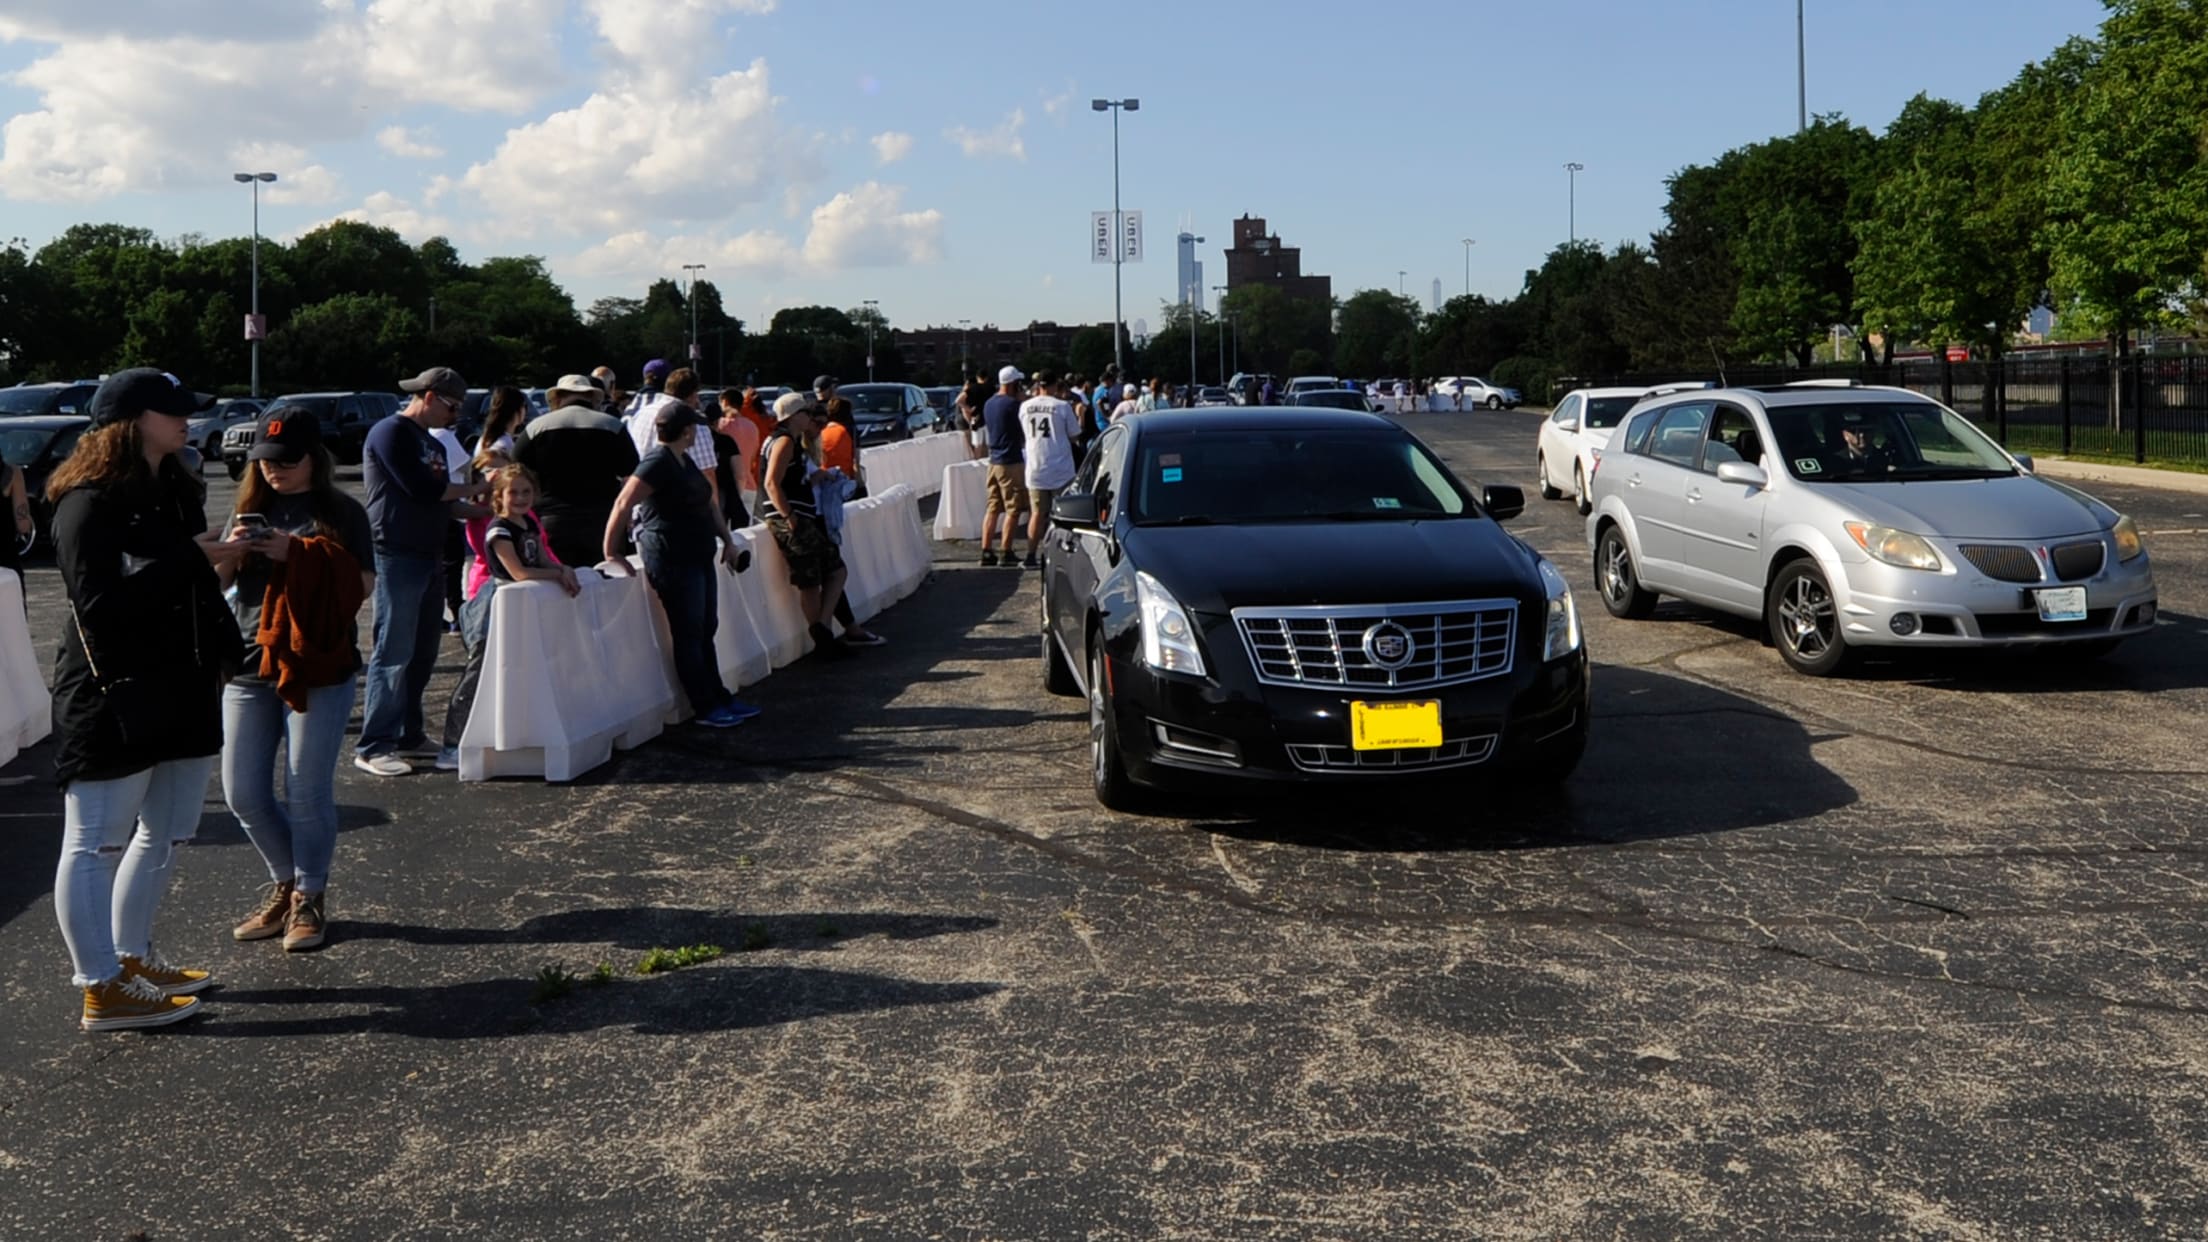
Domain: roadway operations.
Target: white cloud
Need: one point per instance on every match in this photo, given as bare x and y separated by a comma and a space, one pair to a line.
865, 227
312, 185
892, 146
668, 39
399, 141
394, 213
1003, 140
1056, 106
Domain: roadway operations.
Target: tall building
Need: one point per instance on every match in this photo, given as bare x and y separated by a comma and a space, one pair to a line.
1258, 258
1437, 294
1191, 282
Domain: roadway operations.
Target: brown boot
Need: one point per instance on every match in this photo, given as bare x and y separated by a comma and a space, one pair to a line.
267, 919
305, 927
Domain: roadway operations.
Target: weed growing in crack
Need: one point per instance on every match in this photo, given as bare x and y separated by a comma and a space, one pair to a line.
659, 961
553, 982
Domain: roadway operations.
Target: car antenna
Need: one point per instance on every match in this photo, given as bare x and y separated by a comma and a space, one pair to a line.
1711, 342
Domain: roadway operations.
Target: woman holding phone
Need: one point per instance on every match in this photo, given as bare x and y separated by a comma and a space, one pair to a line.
296, 597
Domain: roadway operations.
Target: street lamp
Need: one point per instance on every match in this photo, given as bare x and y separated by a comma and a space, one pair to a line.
253, 326
1468, 244
691, 296
875, 307
1801, 72
1571, 200
1119, 240
1221, 290
965, 367
1399, 275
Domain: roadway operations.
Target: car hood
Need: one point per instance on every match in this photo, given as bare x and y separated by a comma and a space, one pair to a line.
1214, 569
2021, 507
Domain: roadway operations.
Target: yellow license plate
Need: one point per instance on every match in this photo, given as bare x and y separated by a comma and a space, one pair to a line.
1395, 726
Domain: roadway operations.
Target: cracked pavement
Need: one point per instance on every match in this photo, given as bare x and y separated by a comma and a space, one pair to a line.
1916, 954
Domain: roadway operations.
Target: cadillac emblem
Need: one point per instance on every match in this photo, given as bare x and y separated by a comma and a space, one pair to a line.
1389, 646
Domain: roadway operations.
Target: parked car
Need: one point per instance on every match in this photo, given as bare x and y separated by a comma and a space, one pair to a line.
886, 412
1313, 383
1849, 518
1330, 399
1478, 392
38, 443
45, 399
346, 418
1213, 395
205, 433
1578, 428
1302, 596
944, 401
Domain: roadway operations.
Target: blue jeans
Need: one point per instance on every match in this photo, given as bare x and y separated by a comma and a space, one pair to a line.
691, 599
296, 836
410, 622
118, 839
475, 633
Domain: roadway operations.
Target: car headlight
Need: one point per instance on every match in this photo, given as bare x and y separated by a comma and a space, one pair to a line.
1561, 637
1894, 547
2129, 546
1168, 635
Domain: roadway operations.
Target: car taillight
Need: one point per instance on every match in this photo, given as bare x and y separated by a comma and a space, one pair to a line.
1594, 466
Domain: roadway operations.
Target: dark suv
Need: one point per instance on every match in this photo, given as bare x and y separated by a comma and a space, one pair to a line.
45, 399
346, 418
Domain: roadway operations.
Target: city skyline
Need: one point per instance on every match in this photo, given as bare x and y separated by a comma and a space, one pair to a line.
630, 137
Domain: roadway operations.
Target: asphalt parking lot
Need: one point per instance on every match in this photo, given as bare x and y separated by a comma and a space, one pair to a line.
1914, 954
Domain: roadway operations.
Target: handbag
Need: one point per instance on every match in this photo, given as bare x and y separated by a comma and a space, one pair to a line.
146, 713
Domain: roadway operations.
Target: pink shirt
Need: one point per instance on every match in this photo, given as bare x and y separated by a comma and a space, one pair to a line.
479, 566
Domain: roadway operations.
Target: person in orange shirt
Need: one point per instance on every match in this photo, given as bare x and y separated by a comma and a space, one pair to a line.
737, 425
839, 432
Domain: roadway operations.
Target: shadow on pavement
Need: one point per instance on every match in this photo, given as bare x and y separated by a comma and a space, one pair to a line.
1667, 757
722, 996
644, 927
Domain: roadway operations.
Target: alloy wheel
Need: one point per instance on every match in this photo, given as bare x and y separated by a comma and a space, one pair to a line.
1807, 618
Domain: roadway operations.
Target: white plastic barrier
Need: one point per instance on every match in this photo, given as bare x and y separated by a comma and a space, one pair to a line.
565, 682
916, 463
965, 490
26, 710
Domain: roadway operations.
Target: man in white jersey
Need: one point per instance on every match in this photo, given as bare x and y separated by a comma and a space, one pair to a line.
1047, 421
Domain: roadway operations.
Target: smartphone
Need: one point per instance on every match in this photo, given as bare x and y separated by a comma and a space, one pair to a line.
252, 526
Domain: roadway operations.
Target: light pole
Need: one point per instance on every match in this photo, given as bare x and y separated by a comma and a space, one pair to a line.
1571, 201
433, 314
690, 295
1468, 244
965, 367
1119, 240
253, 322
1801, 72
876, 308
1221, 290
1399, 275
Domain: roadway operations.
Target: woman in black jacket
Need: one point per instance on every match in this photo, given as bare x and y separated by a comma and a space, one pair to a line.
137, 690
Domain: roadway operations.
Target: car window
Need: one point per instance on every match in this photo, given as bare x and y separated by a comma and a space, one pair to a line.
1677, 434
1105, 464
1635, 439
1882, 441
1566, 409
1606, 412
22, 446
1283, 475
1733, 437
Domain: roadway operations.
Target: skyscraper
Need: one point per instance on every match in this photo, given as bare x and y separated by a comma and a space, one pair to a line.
1191, 282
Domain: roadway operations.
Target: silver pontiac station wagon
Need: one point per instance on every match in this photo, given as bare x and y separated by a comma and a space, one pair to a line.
1852, 517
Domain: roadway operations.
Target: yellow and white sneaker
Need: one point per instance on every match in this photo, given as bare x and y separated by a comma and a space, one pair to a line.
129, 1003
172, 980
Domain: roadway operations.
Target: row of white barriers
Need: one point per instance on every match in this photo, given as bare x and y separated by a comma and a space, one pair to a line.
916, 463
566, 682
26, 710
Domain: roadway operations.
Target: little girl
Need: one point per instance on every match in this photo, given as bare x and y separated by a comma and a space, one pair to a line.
514, 550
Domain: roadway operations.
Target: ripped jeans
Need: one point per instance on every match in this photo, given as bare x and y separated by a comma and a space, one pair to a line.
119, 839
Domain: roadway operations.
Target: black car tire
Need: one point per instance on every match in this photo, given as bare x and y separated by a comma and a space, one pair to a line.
1108, 770
1058, 676
1494, 403
1804, 621
1617, 581
1579, 490
1549, 491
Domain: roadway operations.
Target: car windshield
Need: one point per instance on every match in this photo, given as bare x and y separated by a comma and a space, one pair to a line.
1283, 475
324, 408
22, 446
875, 400
1605, 412
1332, 399
29, 400
1883, 441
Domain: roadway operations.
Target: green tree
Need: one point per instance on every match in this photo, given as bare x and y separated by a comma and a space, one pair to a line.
1798, 198
352, 340
1681, 315
1272, 326
347, 256
1090, 350
1923, 267
1374, 334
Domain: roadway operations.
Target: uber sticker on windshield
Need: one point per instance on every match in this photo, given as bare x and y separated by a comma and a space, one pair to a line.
1386, 502
1171, 474
1809, 465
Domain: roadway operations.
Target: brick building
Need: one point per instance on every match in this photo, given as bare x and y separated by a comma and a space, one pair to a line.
1258, 258
985, 346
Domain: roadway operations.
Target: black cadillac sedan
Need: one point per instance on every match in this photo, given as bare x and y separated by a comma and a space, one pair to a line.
1302, 595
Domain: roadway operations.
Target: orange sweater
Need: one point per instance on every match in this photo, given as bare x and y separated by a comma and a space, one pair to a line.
306, 631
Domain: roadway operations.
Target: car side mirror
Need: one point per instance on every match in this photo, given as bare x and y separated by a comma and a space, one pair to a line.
2025, 460
1743, 472
1502, 501
1076, 509
1567, 424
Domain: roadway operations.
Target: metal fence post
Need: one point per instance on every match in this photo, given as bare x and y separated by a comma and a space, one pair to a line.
2066, 407
2139, 407
1998, 388
1947, 382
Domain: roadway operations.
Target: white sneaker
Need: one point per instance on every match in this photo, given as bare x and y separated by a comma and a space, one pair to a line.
383, 765
448, 759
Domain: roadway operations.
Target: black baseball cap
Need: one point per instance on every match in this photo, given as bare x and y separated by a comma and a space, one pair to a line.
824, 382
285, 434
125, 395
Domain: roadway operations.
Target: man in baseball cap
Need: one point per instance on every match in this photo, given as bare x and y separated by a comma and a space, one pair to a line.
125, 395
441, 381
1007, 486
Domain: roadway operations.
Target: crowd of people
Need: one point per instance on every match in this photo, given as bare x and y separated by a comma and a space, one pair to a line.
194, 647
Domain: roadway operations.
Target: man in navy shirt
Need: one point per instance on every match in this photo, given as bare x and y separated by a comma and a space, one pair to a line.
1000, 417
409, 499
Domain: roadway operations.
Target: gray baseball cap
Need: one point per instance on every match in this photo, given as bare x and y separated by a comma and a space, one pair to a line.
444, 381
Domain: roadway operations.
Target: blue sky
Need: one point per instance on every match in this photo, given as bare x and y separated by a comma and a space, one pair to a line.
942, 158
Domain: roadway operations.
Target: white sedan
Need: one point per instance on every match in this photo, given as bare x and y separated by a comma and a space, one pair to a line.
1573, 433
1476, 392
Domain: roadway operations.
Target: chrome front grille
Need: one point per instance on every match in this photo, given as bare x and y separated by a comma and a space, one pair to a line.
2003, 562
1458, 753
1381, 647
2077, 561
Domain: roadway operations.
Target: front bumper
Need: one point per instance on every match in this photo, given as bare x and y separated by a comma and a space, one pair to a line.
1179, 731
1960, 607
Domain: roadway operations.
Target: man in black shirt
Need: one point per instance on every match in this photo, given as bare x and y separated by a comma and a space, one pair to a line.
581, 458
